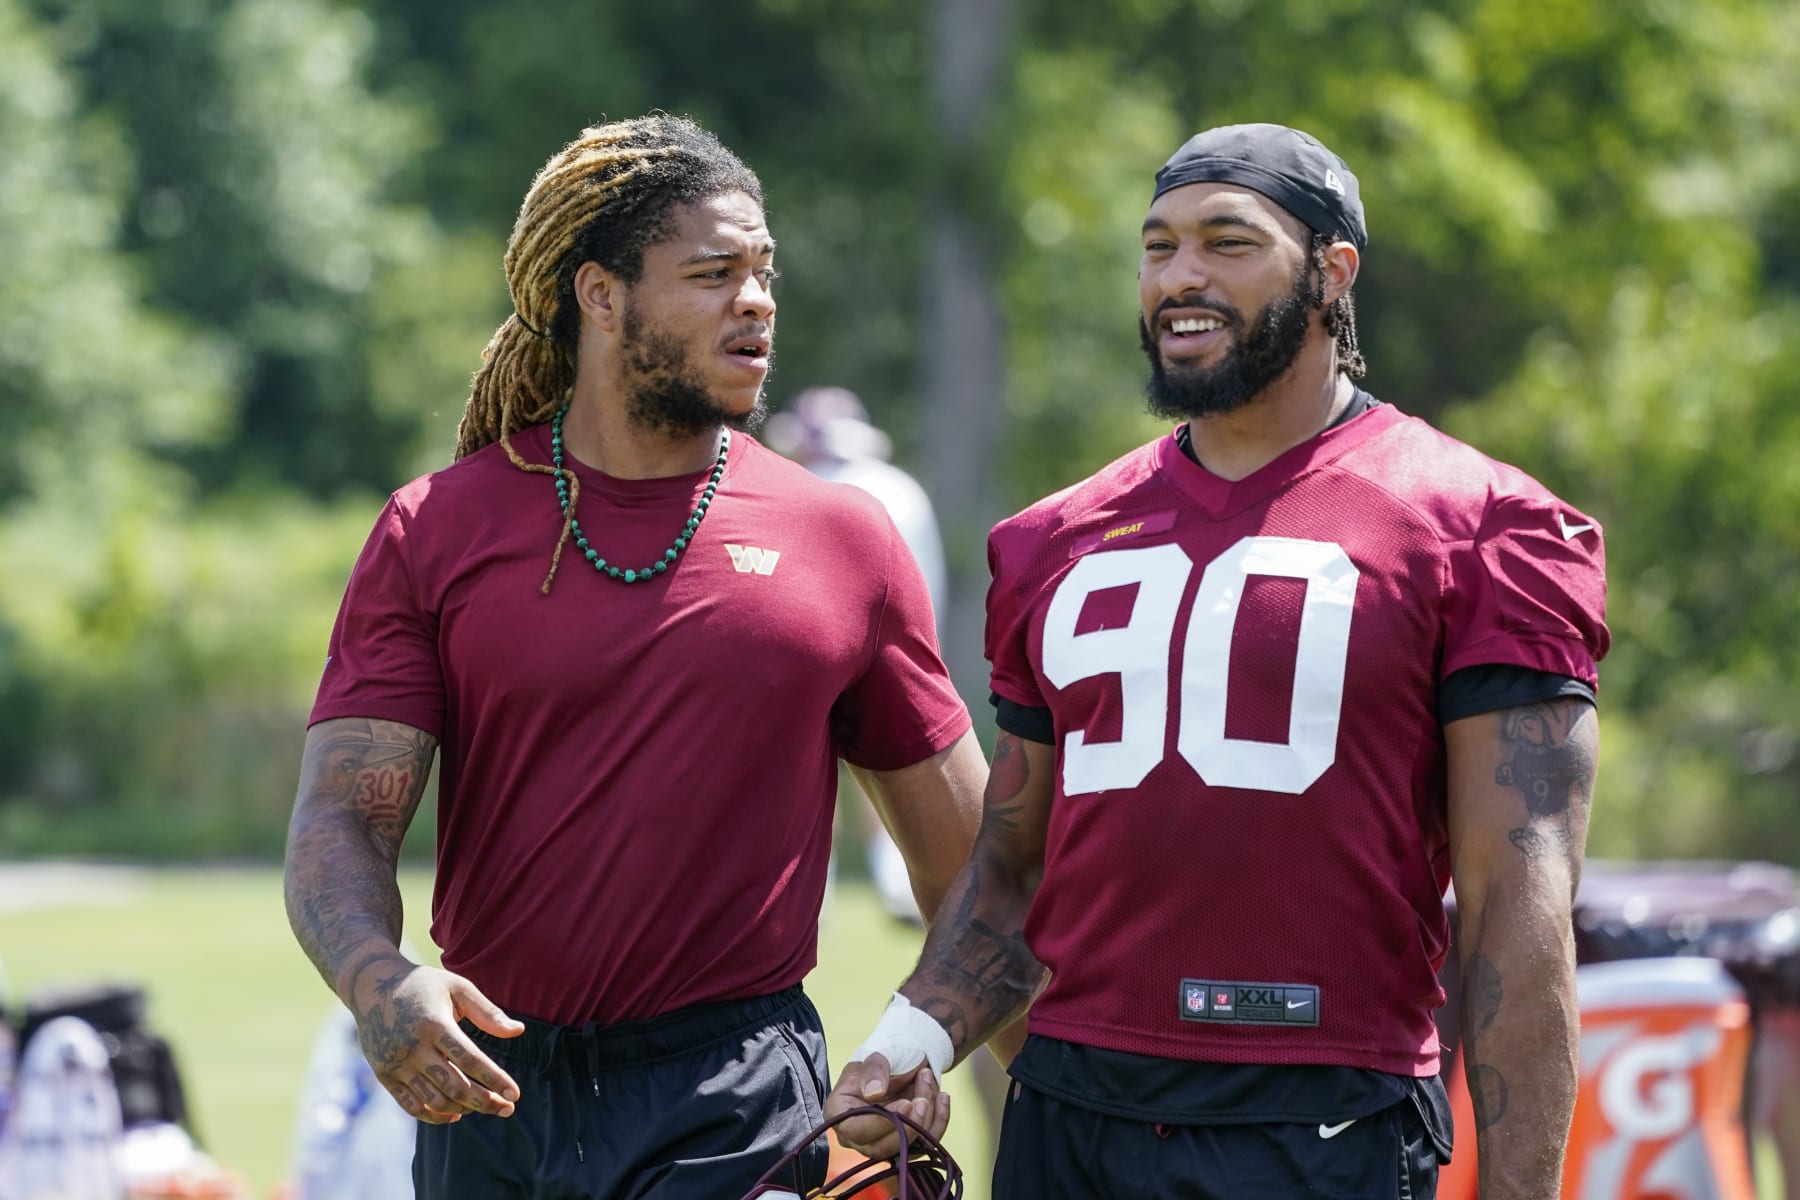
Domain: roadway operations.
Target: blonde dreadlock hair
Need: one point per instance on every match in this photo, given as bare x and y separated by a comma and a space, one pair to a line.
606, 197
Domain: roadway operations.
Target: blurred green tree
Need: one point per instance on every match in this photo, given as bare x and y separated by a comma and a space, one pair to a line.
258, 171
253, 253
197, 209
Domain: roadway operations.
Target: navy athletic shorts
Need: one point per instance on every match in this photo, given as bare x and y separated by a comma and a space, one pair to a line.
1051, 1149
692, 1105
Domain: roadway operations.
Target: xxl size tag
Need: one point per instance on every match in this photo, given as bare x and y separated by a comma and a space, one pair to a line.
1248, 1003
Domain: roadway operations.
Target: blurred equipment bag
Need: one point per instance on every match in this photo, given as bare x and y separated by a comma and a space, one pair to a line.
65, 1136
143, 1067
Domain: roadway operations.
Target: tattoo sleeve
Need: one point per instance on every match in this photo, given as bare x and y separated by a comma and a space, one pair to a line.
361, 782
1522, 782
976, 973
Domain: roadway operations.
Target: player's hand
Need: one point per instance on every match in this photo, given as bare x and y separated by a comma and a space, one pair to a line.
914, 1094
406, 1022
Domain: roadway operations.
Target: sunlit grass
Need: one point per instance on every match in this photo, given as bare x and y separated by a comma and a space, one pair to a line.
233, 994
240, 1004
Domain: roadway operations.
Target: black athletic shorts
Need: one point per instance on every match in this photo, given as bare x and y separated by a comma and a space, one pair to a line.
693, 1105
1051, 1149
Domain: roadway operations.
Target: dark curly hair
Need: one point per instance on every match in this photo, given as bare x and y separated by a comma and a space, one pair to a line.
1340, 317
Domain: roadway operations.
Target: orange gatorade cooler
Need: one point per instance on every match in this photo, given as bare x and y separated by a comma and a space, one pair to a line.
1659, 1112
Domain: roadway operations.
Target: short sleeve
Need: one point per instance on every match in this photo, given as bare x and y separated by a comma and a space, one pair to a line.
383, 660
1529, 591
1008, 628
903, 709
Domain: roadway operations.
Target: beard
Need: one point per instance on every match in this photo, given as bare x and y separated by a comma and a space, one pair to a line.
1262, 353
665, 391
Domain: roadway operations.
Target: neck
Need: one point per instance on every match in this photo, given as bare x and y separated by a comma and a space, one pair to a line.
600, 431
1289, 411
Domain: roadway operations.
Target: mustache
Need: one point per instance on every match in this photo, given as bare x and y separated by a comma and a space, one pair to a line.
752, 330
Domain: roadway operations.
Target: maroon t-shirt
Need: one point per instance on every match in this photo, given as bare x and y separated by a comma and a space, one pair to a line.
637, 781
1250, 769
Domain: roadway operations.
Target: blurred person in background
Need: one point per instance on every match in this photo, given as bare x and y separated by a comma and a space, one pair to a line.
1263, 686
827, 431
640, 642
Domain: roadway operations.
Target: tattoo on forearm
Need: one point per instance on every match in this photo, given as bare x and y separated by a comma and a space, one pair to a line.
1518, 1027
950, 1015
1535, 845
385, 986
361, 783
989, 967
1489, 1093
1000, 818
1482, 993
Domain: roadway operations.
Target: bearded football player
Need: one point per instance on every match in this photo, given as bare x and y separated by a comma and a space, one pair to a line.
1264, 686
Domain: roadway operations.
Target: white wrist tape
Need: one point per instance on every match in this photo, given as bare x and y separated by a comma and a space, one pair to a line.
907, 1036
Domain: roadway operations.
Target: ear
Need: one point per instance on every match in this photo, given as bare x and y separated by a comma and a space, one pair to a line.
1341, 264
600, 295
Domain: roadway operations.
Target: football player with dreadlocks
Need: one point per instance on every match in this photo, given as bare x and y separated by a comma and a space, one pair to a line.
1263, 687
639, 642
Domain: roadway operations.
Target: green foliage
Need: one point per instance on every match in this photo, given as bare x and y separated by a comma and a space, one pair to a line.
1076, 192
256, 173
87, 363
253, 247
162, 669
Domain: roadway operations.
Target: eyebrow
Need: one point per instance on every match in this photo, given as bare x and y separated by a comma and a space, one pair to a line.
1222, 221
710, 256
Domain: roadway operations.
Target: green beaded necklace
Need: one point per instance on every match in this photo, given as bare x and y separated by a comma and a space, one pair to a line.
634, 575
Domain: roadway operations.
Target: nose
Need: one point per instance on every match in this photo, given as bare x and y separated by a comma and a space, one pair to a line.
1184, 274
755, 299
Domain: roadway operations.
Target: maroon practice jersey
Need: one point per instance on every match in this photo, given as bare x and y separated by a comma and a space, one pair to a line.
637, 781
1248, 850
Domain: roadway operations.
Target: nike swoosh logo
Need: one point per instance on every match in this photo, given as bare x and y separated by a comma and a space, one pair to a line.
1298, 1003
1331, 1131
1568, 530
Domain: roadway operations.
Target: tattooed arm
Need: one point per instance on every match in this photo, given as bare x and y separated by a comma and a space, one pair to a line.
360, 784
975, 974
1521, 780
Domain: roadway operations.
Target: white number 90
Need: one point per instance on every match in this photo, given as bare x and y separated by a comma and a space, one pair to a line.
1139, 652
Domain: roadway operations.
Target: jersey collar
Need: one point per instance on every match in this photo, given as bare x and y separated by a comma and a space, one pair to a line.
1220, 497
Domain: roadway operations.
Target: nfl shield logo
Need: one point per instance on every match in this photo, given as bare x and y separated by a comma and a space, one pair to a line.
1196, 998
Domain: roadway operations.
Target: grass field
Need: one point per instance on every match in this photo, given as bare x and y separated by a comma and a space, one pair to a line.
232, 992
230, 989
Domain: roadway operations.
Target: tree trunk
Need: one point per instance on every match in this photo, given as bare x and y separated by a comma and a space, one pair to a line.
964, 339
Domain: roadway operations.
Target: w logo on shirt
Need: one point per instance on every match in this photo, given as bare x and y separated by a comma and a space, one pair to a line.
753, 558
